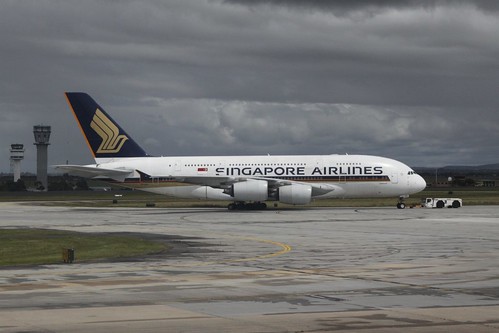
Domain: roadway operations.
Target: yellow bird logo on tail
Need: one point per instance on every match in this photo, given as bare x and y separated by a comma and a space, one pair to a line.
112, 141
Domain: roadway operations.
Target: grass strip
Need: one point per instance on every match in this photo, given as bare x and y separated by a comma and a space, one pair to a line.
42, 246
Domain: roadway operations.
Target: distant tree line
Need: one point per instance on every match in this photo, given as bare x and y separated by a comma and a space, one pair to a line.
55, 183
12, 186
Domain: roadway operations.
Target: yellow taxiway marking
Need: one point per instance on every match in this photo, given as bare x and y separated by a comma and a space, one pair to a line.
285, 248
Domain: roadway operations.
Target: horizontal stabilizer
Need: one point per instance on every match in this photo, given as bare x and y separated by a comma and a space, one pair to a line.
94, 171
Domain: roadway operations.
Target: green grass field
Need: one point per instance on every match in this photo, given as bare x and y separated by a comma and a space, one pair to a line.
41, 246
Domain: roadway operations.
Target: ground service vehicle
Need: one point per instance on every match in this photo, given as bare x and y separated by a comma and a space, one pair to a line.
442, 202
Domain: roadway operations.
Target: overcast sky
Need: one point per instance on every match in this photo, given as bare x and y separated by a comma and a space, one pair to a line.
417, 81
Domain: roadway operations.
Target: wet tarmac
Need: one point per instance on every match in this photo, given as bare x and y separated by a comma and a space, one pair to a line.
305, 270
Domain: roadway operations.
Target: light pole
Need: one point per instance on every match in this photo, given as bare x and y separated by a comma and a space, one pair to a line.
436, 177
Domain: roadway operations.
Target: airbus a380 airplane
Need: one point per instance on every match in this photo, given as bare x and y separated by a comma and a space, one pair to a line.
248, 181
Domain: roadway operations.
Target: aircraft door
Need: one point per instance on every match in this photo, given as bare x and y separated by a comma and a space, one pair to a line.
394, 177
343, 179
178, 166
321, 162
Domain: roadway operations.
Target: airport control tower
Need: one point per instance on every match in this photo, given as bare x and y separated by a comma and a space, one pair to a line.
16, 156
42, 136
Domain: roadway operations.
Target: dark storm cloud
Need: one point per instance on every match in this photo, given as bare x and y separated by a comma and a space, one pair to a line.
368, 6
235, 127
411, 56
413, 80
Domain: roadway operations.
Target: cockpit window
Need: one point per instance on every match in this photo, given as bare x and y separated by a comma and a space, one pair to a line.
411, 172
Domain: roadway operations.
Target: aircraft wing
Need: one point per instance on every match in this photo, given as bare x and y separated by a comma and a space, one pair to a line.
274, 183
92, 171
317, 188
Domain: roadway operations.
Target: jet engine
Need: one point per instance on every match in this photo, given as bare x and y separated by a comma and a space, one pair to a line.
250, 190
295, 194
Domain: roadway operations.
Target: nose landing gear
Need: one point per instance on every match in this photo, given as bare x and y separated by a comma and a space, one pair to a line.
401, 204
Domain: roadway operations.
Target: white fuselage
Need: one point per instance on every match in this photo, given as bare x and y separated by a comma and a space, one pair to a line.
331, 176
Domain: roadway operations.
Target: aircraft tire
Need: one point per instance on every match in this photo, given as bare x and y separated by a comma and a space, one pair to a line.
261, 205
247, 206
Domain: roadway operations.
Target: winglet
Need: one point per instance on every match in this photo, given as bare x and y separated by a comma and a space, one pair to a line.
105, 138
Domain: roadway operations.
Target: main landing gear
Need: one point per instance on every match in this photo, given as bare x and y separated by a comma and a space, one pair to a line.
247, 206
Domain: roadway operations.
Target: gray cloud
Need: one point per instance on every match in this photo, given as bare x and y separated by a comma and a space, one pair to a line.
368, 7
413, 80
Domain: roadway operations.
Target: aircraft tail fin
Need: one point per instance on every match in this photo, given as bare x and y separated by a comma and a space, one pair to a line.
105, 138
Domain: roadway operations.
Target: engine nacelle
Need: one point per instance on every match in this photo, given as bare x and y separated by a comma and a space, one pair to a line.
250, 190
295, 194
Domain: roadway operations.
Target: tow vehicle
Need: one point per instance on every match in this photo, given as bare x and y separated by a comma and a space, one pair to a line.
442, 202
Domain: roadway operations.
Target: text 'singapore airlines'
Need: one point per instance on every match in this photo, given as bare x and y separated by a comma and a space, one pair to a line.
300, 171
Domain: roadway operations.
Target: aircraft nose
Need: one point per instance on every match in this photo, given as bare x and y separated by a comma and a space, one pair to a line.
419, 183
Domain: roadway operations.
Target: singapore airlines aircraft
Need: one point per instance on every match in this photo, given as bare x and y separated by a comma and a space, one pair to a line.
247, 181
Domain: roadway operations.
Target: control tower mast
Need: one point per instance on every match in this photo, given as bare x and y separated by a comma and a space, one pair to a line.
16, 156
42, 136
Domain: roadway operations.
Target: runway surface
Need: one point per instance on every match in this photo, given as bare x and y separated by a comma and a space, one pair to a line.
307, 270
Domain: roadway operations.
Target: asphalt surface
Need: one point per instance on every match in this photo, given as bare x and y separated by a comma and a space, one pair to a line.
306, 270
